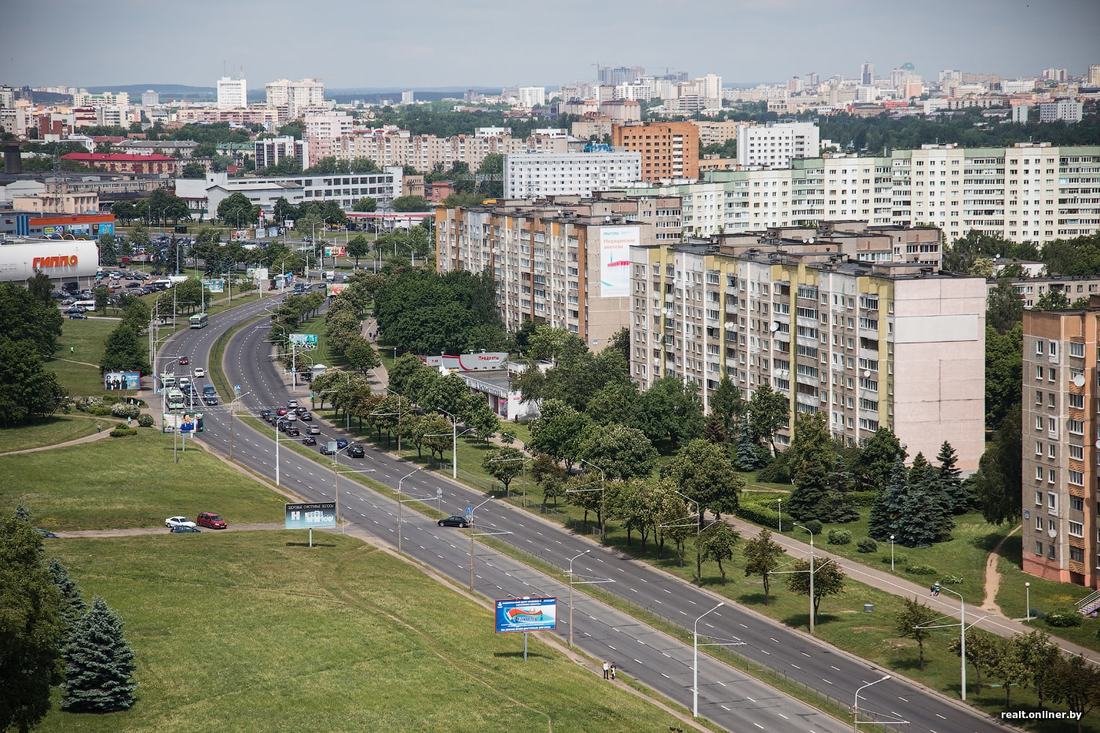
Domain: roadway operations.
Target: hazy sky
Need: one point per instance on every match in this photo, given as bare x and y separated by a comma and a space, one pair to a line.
426, 43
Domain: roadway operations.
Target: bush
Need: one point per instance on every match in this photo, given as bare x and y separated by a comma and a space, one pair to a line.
839, 537
862, 498
145, 420
814, 526
921, 570
761, 514
953, 580
900, 558
121, 431
866, 544
507, 437
1063, 618
121, 409
776, 472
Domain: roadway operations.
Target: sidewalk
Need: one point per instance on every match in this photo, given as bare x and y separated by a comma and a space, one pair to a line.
889, 583
75, 441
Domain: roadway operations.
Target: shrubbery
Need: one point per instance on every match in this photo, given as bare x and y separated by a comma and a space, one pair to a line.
121, 409
145, 420
1063, 618
921, 570
839, 537
866, 544
814, 526
121, 431
776, 472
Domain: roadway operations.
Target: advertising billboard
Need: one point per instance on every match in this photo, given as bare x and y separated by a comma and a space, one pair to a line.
615, 244
215, 286
304, 340
528, 614
56, 259
336, 252
310, 516
335, 288
121, 380
479, 361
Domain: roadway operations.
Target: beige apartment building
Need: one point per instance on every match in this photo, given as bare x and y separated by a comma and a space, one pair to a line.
389, 146
867, 344
1059, 427
58, 198
564, 262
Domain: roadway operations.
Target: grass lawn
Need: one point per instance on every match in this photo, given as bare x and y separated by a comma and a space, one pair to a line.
129, 482
50, 431
86, 340
340, 637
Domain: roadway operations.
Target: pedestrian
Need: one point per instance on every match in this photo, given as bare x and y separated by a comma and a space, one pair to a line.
606, 670
612, 670
72, 349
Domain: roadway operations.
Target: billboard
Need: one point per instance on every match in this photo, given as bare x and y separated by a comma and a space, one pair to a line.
474, 362
615, 244
310, 516
121, 380
56, 259
526, 614
335, 288
304, 340
336, 252
215, 286
259, 276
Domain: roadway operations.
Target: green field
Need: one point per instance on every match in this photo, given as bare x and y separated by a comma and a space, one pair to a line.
129, 482
49, 431
256, 632
85, 339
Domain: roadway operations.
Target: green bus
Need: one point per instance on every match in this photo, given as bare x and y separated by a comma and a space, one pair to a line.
199, 320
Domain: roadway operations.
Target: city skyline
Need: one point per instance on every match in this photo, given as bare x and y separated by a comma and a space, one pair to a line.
738, 41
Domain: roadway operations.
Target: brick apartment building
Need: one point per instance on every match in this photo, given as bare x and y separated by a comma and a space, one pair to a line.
127, 163
669, 150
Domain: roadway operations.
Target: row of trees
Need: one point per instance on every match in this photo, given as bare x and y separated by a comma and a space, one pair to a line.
125, 349
344, 329
30, 325
50, 636
160, 207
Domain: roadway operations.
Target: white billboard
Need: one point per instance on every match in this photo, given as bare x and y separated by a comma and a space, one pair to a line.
615, 244
56, 258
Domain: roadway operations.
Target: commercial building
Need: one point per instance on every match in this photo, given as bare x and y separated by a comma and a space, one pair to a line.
868, 345
56, 226
62, 261
273, 150
232, 93
127, 163
716, 132
1059, 425
537, 175
775, 145
1030, 191
563, 262
57, 198
669, 150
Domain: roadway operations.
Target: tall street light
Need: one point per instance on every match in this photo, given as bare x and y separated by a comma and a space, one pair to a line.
855, 702
811, 577
401, 504
891, 553
695, 662
1027, 590
584, 552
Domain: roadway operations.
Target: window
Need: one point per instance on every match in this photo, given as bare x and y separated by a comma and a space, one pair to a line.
1038, 523
1052, 552
1038, 373
1039, 475
1052, 450
1076, 529
1077, 401
1052, 476
1076, 478
1038, 347
1076, 503
1076, 554
1039, 448
1052, 500
1077, 452
1076, 349
1077, 427
1053, 348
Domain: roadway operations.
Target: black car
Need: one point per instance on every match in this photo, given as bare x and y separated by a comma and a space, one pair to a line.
293, 431
265, 414
355, 450
325, 451
181, 529
304, 415
453, 521
341, 443
309, 440
77, 317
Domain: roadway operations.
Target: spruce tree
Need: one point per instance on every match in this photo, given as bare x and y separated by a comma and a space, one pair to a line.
73, 606
99, 664
748, 452
886, 512
837, 505
959, 493
812, 457
925, 516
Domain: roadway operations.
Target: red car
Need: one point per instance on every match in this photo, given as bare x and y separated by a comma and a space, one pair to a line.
210, 520
184, 361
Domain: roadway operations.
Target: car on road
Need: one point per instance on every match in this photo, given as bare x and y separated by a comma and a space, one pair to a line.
293, 431
183, 530
199, 372
454, 521
184, 361
178, 521
325, 450
210, 520
304, 415
281, 411
355, 450
265, 414
341, 443
309, 440
314, 429
292, 404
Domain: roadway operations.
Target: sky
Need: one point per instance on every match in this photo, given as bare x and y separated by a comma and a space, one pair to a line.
458, 43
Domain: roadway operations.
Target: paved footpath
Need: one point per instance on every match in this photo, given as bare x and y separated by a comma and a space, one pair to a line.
75, 441
139, 531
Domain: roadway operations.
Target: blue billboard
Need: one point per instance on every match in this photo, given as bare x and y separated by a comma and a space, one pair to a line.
527, 614
310, 516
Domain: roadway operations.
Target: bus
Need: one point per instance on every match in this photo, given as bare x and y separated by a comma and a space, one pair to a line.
175, 400
167, 381
199, 320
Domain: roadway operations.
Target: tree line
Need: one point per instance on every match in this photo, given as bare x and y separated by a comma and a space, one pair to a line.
30, 325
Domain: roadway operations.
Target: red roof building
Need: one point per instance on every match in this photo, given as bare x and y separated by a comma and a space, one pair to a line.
126, 162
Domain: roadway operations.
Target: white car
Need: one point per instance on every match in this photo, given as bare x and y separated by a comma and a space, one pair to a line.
200, 372
178, 522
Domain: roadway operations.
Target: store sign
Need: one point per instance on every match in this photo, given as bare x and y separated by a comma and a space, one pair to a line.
41, 263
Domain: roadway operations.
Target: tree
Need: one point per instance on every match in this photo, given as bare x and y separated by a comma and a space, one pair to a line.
726, 406
828, 581
31, 626
1009, 665
617, 402
193, 171
108, 250
636, 503
748, 451
717, 542
886, 512
999, 477
102, 297
39, 287
1077, 685
836, 504
558, 430
768, 411
811, 455
365, 204
124, 351
490, 175
283, 210
1040, 656
361, 356
958, 494
877, 458
1003, 366
358, 247
925, 516
1052, 300
504, 465
411, 204
672, 519
620, 452
1005, 308
27, 390
24, 316
236, 209
762, 556
99, 664
72, 606
911, 623
139, 235
670, 412
702, 471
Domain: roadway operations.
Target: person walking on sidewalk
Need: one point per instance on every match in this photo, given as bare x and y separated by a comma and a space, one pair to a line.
606, 670
612, 670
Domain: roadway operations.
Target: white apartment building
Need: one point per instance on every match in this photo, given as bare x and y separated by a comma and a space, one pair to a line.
867, 345
1062, 110
537, 175
150, 98
1026, 192
232, 93
774, 145
345, 190
295, 96
391, 146
529, 97
273, 150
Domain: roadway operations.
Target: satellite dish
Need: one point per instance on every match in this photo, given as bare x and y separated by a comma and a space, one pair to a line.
866, 373
1097, 443
1079, 380
775, 326
1053, 533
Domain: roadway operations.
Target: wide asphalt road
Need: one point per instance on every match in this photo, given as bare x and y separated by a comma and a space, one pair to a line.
726, 696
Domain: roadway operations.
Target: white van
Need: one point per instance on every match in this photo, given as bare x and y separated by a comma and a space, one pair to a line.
88, 305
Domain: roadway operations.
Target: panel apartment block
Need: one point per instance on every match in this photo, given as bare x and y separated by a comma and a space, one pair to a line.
537, 175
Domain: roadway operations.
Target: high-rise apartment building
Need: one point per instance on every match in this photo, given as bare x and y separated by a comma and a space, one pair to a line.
529, 97
1093, 77
150, 98
868, 345
232, 93
775, 145
1062, 110
867, 74
537, 175
295, 96
1059, 426
615, 75
393, 146
669, 150
274, 150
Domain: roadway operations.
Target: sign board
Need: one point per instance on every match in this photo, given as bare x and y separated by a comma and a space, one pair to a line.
259, 276
481, 361
336, 252
310, 516
330, 446
216, 285
334, 289
187, 425
615, 244
304, 340
532, 614
121, 380
273, 231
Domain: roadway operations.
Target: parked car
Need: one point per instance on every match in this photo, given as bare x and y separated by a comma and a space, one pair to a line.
453, 521
309, 440
355, 450
184, 361
178, 521
183, 530
210, 520
314, 429
77, 317
199, 372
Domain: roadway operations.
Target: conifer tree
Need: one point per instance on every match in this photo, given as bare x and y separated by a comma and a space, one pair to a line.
748, 451
958, 493
811, 455
925, 516
837, 505
887, 510
73, 606
99, 664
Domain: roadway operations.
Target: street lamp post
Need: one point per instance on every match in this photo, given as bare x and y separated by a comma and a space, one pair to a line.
695, 662
603, 493
812, 572
1027, 590
855, 702
962, 640
472, 540
891, 553
400, 504
571, 594
780, 503
454, 443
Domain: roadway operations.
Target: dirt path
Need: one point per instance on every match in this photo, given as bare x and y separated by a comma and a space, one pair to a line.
139, 531
76, 441
993, 575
